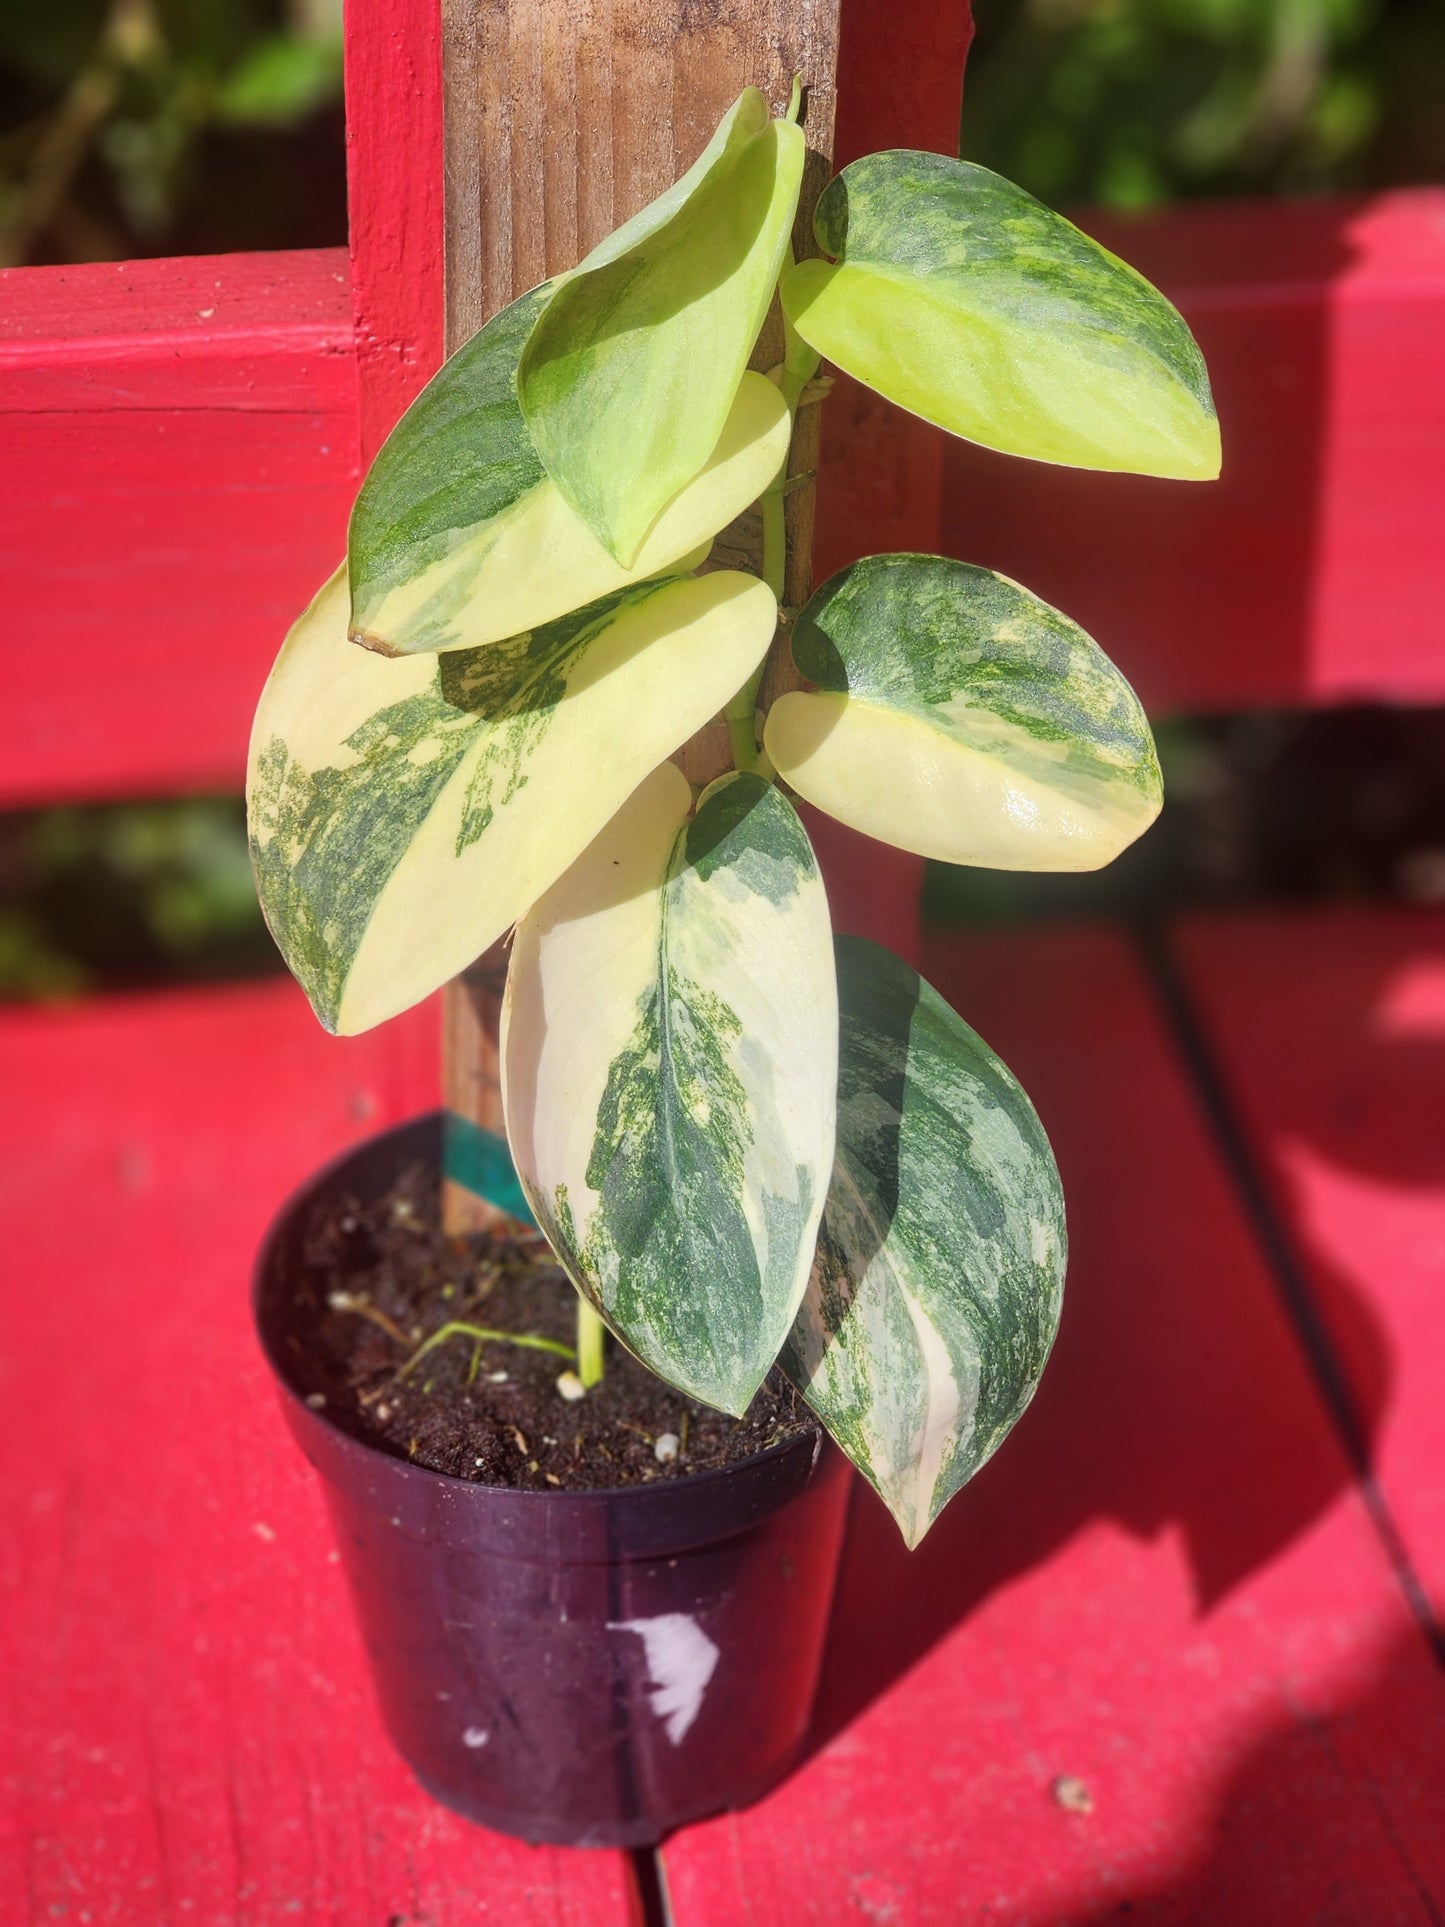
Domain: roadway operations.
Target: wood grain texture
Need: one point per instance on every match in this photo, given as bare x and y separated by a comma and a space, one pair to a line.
1312, 571
561, 123
1153, 1659
1329, 1029
471, 1063
187, 1731
178, 453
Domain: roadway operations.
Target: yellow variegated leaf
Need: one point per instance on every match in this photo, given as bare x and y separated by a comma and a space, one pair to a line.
959, 296
628, 376
960, 717
460, 538
404, 813
669, 1065
939, 1277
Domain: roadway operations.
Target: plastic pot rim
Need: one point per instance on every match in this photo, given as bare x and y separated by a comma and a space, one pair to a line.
424, 1129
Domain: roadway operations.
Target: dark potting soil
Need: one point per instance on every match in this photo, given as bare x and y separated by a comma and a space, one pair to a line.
379, 1280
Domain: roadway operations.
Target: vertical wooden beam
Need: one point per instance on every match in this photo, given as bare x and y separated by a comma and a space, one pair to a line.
562, 119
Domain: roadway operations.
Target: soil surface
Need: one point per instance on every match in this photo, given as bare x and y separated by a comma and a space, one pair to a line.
380, 1280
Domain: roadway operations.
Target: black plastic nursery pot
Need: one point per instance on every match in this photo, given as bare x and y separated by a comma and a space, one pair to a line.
582, 1668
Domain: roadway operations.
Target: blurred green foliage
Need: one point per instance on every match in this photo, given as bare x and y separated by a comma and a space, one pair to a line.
1136, 102
1334, 805
127, 893
115, 114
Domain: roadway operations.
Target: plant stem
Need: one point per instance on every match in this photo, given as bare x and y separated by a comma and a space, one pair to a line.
800, 364
484, 1335
591, 1332
742, 725
775, 539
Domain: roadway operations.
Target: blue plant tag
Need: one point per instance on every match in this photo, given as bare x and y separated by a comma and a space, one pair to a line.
481, 1162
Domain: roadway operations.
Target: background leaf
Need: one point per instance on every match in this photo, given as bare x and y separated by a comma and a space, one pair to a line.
403, 814
280, 80
958, 716
630, 373
669, 1054
960, 297
936, 1291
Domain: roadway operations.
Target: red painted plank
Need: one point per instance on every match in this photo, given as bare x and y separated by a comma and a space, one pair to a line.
880, 469
186, 1731
1313, 571
56, 324
1164, 1587
394, 192
179, 457
1331, 1031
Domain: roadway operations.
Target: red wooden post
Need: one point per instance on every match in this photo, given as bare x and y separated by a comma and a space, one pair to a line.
395, 146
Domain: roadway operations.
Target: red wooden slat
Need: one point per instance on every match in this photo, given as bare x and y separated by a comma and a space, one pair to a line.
1164, 1587
880, 470
186, 1730
1337, 1069
1314, 571
221, 305
394, 190
178, 454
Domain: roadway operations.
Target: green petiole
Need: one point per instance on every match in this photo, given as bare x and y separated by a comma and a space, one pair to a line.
591, 1335
484, 1335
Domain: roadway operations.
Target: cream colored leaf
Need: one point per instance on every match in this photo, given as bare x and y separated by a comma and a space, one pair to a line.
958, 716
403, 814
669, 1057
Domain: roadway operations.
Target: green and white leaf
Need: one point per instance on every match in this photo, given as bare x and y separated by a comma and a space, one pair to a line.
669, 1069
936, 1291
960, 717
960, 297
459, 538
629, 375
404, 813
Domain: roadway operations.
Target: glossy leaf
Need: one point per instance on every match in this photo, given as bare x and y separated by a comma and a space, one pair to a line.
403, 814
960, 717
459, 538
669, 1064
960, 297
939, 1276
630, 373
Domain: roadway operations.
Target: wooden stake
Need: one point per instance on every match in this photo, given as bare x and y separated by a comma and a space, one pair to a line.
563, 118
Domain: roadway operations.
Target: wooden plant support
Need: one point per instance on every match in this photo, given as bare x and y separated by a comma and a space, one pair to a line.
560, 122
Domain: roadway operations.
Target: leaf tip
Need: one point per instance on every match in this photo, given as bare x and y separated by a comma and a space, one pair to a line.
1209, 457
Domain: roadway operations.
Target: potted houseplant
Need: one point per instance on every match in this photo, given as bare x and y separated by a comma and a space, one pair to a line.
749, 1147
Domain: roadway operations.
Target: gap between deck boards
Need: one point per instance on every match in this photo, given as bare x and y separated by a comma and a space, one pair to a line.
649, 1878
1209, 1082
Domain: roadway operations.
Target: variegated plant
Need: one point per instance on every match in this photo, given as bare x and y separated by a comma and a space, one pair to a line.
747, 1146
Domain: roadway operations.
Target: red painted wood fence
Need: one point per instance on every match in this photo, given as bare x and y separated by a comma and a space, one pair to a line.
1172, 1651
